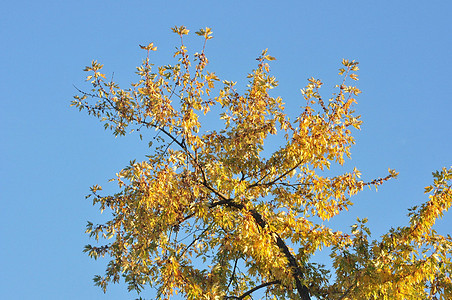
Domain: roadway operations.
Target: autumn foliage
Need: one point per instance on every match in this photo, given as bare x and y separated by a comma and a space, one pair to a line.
223, 214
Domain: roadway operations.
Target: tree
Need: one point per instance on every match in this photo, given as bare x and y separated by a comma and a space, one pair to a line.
211, 215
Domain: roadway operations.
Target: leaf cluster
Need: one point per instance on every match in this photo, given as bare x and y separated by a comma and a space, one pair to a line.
208, 216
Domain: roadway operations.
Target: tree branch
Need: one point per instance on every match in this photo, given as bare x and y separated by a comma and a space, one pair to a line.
195, 240
253, 290
350, 288
233, 272
275, 180
303, 291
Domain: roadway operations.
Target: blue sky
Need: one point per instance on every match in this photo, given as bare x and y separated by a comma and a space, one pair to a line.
51, 154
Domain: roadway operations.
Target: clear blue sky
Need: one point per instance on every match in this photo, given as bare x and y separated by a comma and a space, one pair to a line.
51, 154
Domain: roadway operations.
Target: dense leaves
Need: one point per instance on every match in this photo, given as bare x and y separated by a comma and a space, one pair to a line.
222, 214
